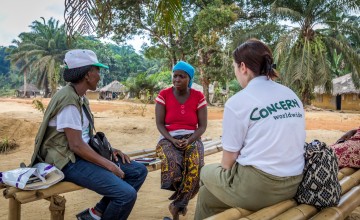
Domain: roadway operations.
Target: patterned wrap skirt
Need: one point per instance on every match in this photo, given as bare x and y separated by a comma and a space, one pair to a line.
180, 169
348, 152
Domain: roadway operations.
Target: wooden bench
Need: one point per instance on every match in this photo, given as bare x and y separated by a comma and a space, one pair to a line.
17, 197
289, 210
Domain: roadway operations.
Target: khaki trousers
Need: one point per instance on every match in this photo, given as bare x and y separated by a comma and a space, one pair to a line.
241, 186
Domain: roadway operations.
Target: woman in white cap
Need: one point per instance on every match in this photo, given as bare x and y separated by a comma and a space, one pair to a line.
181, 118
63, 138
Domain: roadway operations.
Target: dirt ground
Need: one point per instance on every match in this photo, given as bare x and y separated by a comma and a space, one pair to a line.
128, 130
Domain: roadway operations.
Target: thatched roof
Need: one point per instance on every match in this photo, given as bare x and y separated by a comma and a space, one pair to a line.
341, 85
114, 86
200, 88
29, 88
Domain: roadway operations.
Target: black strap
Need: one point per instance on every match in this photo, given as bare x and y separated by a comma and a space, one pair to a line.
87, 113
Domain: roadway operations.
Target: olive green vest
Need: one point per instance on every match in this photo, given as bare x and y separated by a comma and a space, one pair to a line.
51, 146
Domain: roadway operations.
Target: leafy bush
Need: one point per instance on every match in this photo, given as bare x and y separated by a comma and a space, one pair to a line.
38, 105
7, 92
7, 145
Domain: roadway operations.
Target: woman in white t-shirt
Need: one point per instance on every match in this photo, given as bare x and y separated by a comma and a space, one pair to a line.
63, 140
263, 140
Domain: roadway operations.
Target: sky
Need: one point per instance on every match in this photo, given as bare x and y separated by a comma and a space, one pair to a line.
17, 15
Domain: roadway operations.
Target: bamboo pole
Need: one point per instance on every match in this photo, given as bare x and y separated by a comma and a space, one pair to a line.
349, 182
212, 150
230, 214
348, 203
14, 209
140, 152
271, 211
303, 211
300, 212
345, 172
212, 143
152, 150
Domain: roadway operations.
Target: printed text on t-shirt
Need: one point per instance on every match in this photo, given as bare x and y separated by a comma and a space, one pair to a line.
258, 114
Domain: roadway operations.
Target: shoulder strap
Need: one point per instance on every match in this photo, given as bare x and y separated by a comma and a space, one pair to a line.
87, 113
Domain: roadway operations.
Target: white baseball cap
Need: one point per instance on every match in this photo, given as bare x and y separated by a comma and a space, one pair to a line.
79, 58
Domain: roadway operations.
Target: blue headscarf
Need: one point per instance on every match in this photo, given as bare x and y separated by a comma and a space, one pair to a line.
187, 68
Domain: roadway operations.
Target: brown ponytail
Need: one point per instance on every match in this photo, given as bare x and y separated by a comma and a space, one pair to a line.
257, 57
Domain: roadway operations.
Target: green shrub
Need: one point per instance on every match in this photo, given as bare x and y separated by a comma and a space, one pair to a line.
7, 145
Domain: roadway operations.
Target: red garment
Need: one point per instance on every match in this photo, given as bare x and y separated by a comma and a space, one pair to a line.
348, 152
181, 116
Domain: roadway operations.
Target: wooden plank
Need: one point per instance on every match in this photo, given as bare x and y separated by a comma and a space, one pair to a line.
33, 195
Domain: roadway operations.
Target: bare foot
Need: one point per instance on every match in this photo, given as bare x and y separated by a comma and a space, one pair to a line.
174, 211
183, 211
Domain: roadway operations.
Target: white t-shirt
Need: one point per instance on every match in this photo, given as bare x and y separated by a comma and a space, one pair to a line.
266, 123
69, 117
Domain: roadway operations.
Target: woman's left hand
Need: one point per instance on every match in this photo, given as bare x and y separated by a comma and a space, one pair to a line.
124, 158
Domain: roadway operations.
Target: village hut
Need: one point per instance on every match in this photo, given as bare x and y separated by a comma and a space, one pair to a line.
344, 95
31, 91
93, 95
212, 97
113, 90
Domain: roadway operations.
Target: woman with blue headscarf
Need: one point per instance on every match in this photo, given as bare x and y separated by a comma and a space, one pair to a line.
181, 118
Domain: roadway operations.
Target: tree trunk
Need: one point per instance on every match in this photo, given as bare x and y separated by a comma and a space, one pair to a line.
172, 49
306, 96
46, 88
203, 77
25, 89
205, 84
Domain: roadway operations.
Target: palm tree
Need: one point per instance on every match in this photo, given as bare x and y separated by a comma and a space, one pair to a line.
43, 50
79, 14
304, 52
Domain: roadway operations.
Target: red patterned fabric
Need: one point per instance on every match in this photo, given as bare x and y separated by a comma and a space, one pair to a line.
348, 152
